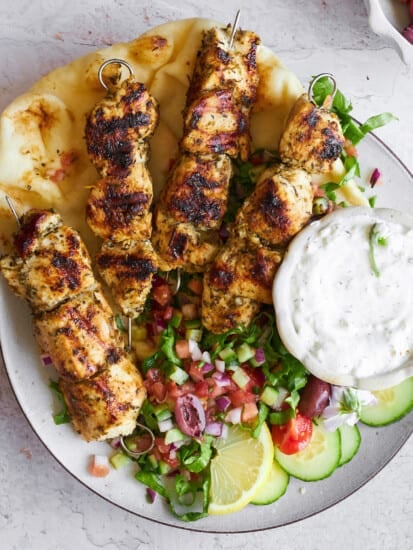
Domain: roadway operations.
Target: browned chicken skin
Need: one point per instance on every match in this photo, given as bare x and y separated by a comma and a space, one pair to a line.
118, 209
219, 100
74, 325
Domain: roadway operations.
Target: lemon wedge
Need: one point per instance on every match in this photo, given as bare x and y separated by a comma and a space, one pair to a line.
240, 468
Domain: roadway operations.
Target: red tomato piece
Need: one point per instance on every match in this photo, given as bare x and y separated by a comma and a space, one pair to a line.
294, 436
241, 397
162, 295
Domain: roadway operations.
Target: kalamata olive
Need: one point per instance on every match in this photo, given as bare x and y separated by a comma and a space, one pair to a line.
314, 397
190, 415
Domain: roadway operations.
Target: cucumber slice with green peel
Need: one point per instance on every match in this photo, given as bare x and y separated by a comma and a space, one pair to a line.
318, 460
275, 486
350, 439
393, 403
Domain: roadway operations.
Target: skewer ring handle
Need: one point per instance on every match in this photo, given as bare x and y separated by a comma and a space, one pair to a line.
316, 79
110, 62
137, 454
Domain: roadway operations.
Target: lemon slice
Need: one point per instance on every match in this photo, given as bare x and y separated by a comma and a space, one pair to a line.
240, 468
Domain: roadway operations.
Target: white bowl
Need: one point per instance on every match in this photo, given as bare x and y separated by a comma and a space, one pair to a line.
388, 18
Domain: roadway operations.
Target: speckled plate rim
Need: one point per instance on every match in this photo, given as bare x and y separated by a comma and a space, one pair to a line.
305, 499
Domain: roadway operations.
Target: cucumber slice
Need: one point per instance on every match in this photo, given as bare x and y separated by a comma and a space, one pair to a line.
393, 404
350, 442
275, 487
318, 460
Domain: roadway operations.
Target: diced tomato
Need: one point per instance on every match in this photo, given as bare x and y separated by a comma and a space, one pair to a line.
153, 375
182, 349
249, 412
97, 467
195, 372
157, 391
294, 436
202, 389
162, 295
241, 397
196, 286
256, 378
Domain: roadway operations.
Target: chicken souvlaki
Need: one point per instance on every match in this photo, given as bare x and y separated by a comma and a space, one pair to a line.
118, 209
240, 278
219, 100
74, 325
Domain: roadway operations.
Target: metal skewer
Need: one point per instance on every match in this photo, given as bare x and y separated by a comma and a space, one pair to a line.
129, 333
234, 29
13, 210
316, 79
111, 62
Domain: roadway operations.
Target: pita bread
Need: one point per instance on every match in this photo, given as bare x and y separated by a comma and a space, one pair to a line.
43, 159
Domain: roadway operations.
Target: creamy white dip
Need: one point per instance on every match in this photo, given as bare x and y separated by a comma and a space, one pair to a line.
344, 297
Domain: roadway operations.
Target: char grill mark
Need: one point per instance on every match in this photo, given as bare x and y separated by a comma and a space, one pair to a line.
120, 206
26, 239
128, 266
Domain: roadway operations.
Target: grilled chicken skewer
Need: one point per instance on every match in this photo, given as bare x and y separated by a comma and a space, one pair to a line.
117, 133
74, 325
241, 275
219, 100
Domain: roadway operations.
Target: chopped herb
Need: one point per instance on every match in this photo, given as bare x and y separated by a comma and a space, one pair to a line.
62, 417
375, 239
372, 201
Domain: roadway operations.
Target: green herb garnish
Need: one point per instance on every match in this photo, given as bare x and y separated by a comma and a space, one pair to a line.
375, 239
62, 417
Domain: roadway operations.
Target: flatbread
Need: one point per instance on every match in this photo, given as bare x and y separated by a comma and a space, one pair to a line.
43, 158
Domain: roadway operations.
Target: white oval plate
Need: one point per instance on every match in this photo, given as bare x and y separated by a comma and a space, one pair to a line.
29, 380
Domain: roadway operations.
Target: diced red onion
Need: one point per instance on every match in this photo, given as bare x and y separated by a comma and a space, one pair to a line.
375, 176
151, 494
206, 357
220, 365
214, 428
282, 394
196, 353
208, 367
221, 379
234, 415
115, 443
408, 33
259, 356
223, 402
47, 360
165, 425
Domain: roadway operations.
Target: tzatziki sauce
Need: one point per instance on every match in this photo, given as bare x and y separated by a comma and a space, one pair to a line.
343, 297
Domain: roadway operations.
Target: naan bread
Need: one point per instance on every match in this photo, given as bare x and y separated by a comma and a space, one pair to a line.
43, 159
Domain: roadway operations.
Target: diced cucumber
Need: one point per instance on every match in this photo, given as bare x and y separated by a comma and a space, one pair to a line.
318, 460
240, 377
193, 334
350, 442
245, 352
393, 403
162, 412
227, 354
119, 459
269, 396
173, 435
275, 486
179, 376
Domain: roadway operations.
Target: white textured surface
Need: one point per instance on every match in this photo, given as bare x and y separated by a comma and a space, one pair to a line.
41, 505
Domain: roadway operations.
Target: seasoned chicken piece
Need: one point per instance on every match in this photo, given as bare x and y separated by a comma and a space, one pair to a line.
118, 209
127, 268
11, 267
119, 126
106, 405
182, 245
80, 335
313, 138
231, 74
218, 66
243, 270
222, 311
280, 205
54, 264
216, 124
197, 190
